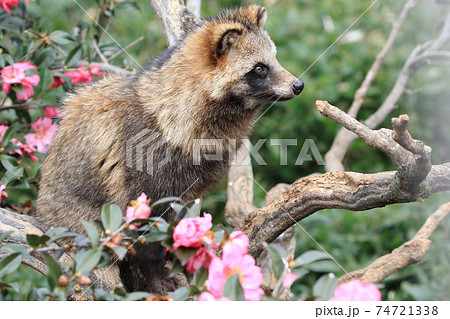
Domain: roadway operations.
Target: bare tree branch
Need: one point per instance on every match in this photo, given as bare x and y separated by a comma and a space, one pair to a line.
175, 19
194, 6
407, 254
348, 190
418, 57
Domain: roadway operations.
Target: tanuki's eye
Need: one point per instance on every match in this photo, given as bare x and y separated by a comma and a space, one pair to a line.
260, 70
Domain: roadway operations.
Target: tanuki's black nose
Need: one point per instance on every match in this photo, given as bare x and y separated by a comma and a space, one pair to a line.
297, 87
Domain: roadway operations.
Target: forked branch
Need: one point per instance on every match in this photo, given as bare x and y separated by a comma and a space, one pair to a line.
414, 180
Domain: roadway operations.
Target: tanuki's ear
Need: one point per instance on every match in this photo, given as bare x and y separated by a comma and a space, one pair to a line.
227, 40
256, 14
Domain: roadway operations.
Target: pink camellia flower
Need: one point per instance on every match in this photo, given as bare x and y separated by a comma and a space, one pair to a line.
250, 276
3, 129
206, 296
83, 75
25, 149
139, 209
8, 4
288, 279
44, 131
201, 259
356, 290
95, 70
52, 112
15, 74
2, 192
189, 231
237, 245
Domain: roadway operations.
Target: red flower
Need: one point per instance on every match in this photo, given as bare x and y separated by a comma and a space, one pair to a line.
57, 81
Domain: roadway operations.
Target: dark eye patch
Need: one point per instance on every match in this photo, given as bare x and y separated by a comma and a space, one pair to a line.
257, 77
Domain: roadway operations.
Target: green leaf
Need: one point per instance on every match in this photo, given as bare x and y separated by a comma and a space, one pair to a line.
30, 72
277, 262
153, 237
120, 292
176, 268
34, 240
86, 260
309, 257
11, 23
111, 217
10, 132
11, 174
233, 289
8, 58
74, 56
200, 277
61, 37
46, 79
45, 57
10, 263
55, 232
194, 210
120, 251
44, 239
185, 253
179, 209
324, 287
181, 294
54, 270
5, 234
165, 200
8, 162
15, 248
92, 232
137, 295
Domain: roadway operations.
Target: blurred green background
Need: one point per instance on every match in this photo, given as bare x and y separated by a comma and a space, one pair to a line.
303, 30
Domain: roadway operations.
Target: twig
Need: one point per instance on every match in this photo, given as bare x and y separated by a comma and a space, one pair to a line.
407, 254
373, 71
419, 56
97, 49
125, 48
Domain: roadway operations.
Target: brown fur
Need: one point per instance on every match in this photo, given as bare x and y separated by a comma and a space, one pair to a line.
204, 88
